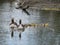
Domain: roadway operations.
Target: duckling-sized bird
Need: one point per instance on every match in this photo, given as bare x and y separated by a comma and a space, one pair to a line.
45, 25
13, 25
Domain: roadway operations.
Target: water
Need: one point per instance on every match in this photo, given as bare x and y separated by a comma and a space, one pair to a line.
31, 36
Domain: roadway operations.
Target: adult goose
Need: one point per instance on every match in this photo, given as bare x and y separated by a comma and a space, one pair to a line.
13, 26
20, 28
20, 6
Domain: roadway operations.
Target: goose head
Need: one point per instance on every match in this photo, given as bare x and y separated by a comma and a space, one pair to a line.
12, 20
20, 21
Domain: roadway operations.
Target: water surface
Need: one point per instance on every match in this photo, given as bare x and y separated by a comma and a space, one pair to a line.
31, 36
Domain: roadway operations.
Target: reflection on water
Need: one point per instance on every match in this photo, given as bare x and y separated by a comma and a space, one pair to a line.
31, 36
